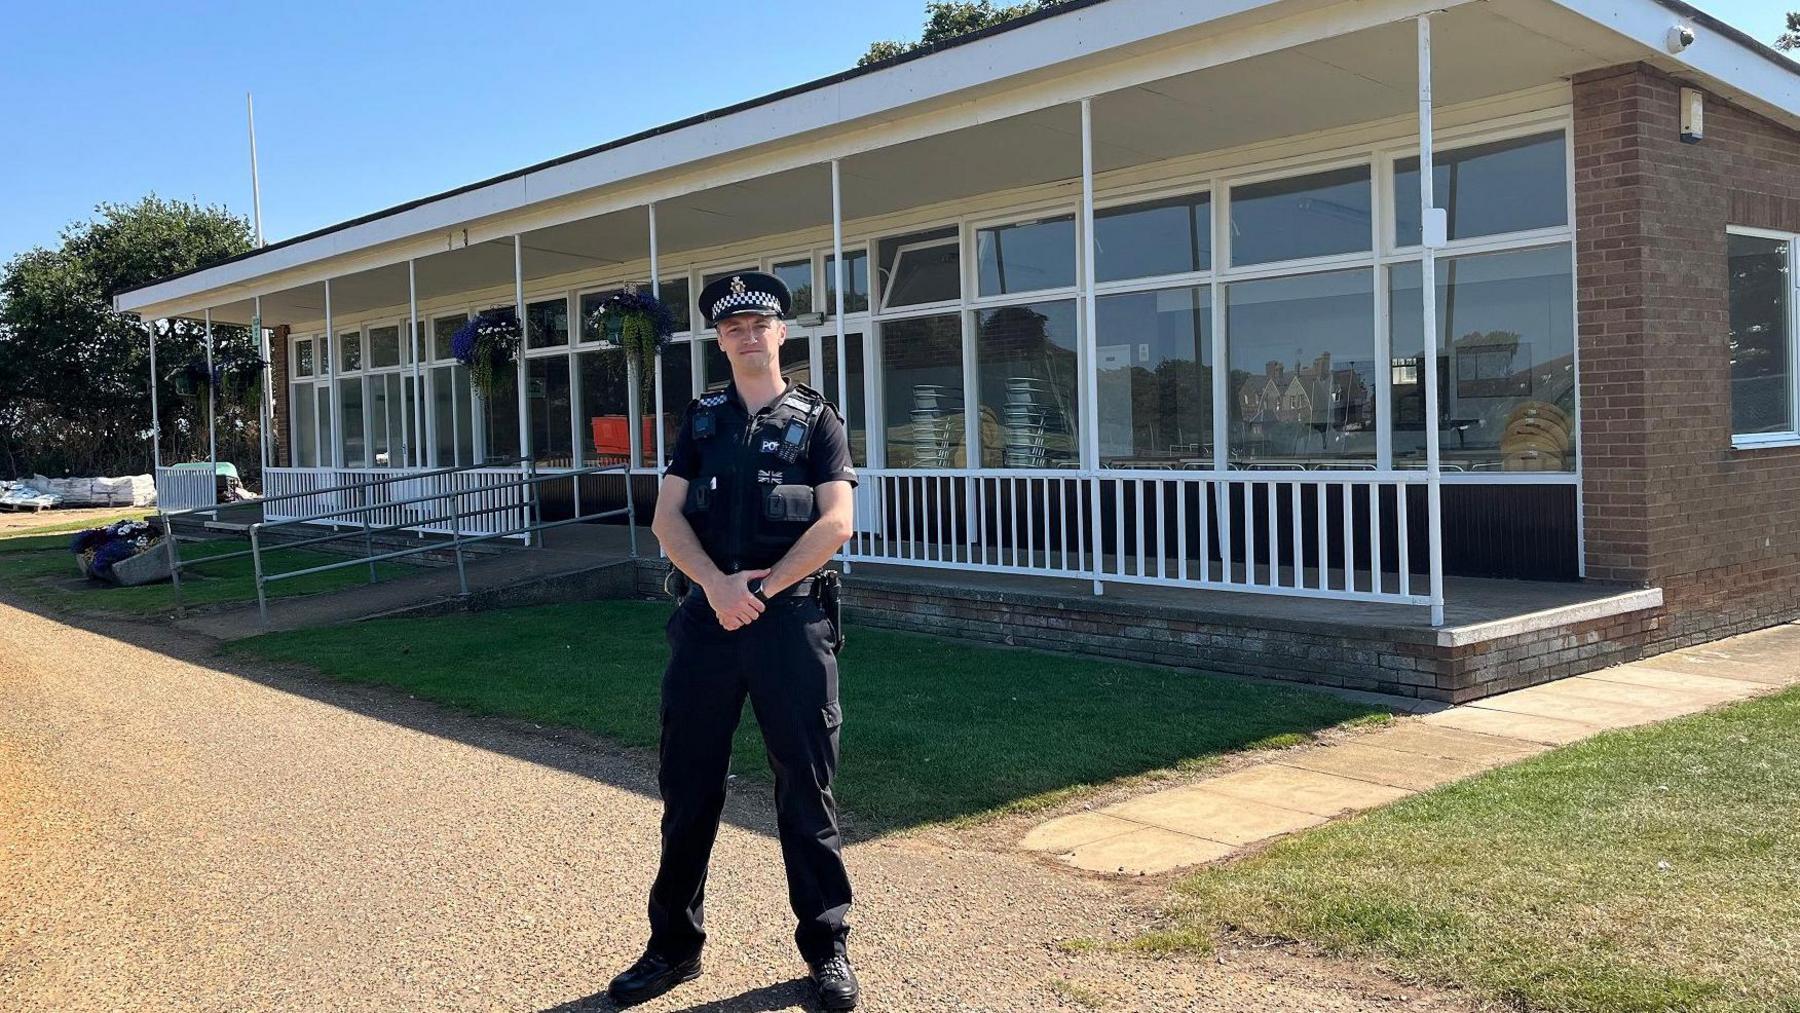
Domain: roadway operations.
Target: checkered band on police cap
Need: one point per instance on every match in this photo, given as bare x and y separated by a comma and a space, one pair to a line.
748, 292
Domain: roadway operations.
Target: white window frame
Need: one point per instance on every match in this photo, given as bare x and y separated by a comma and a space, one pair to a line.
1791, 436
959, 241
977, 226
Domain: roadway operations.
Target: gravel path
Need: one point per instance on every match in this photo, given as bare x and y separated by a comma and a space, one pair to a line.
184, 831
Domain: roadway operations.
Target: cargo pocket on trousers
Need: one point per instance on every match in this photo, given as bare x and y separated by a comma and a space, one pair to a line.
833, 713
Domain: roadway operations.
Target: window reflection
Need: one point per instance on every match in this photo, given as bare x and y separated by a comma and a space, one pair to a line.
1155, 378
1159, 237
922, 391
1302, 383
1026, 376
1761, 345
1485, 189
1506, 362
1318, 215
1026, 257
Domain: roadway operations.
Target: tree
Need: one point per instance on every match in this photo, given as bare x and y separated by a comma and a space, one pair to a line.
74, 374
1790, 39
947, 19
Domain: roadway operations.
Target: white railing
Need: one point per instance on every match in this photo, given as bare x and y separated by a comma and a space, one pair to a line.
185, 488
1320, 534
488, 504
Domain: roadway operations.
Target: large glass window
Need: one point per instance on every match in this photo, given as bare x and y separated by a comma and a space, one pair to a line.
678, 390
1317, 215
454, 435
500, 416
1026, 256
305, 427
922, 391
387, 422
350, 342
442, 330
547, 324
1486, 189
384, 346
854, 404
1760, 289
350, 424
1026, 381
606, 428
1302, 383
1155, 378
303, 357
1159, 237
1506, 362
856, 282
322, 412
797, 276
922, 268
547, 401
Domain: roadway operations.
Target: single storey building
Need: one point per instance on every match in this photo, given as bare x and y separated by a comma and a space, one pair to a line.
1439, 348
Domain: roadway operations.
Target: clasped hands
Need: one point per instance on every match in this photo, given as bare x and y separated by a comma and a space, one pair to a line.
732, 601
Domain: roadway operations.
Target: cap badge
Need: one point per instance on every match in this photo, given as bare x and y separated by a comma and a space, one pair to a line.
737, 286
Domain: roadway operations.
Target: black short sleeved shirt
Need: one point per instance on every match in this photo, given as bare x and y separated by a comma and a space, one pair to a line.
827, 459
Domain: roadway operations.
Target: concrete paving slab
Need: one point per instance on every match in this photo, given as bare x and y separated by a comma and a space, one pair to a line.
1702, 685
1306, 790
1585, 688
1454, 744
1147, 852
1550, 731
1204, 813
1777, 671
1603, 714
1386, 766
1066, 833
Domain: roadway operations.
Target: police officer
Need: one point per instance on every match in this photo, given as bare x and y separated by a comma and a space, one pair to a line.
755, 502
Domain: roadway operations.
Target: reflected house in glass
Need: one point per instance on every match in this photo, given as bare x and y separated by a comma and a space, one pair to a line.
1138, 292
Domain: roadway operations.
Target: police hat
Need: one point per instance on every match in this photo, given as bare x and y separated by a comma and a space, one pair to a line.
749, 292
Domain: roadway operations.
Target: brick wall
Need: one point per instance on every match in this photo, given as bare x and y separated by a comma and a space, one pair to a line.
1667, 501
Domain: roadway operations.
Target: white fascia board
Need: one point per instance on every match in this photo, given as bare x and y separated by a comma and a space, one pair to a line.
962, 86
1740, 73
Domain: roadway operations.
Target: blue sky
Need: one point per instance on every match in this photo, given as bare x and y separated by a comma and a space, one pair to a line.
364, 105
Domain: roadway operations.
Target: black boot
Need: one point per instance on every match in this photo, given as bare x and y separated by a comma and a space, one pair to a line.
651, 976
836, 983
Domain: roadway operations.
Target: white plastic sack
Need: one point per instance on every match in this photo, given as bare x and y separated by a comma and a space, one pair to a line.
128, 490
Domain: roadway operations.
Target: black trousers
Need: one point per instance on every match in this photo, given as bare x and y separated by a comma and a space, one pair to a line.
785, 663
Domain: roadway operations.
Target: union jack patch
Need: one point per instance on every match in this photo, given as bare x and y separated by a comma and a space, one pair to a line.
769, 477
771, 446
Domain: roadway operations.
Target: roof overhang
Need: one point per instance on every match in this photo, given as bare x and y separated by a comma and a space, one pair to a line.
1094, 47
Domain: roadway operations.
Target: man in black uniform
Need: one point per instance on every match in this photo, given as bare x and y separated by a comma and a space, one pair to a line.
755, 502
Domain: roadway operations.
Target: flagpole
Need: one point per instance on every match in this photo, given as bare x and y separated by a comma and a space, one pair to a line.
255, 183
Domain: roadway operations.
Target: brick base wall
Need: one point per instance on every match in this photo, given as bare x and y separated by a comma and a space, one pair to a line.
1404, 661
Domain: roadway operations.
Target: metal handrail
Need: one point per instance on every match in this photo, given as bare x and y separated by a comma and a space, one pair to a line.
456, 516
408, 477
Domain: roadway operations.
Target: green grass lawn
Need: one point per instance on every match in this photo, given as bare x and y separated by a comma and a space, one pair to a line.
40, 568
1654, 869
934, 729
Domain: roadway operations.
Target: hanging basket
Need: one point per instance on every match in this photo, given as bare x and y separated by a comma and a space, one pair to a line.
636, 321
487, 344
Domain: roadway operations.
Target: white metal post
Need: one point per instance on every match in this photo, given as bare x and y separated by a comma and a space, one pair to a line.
527, 466
155, 412
416, 343
212, 442
331, 367
656, 382
1090, 356
837, 262
633, 414
265, 425
1430, 235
